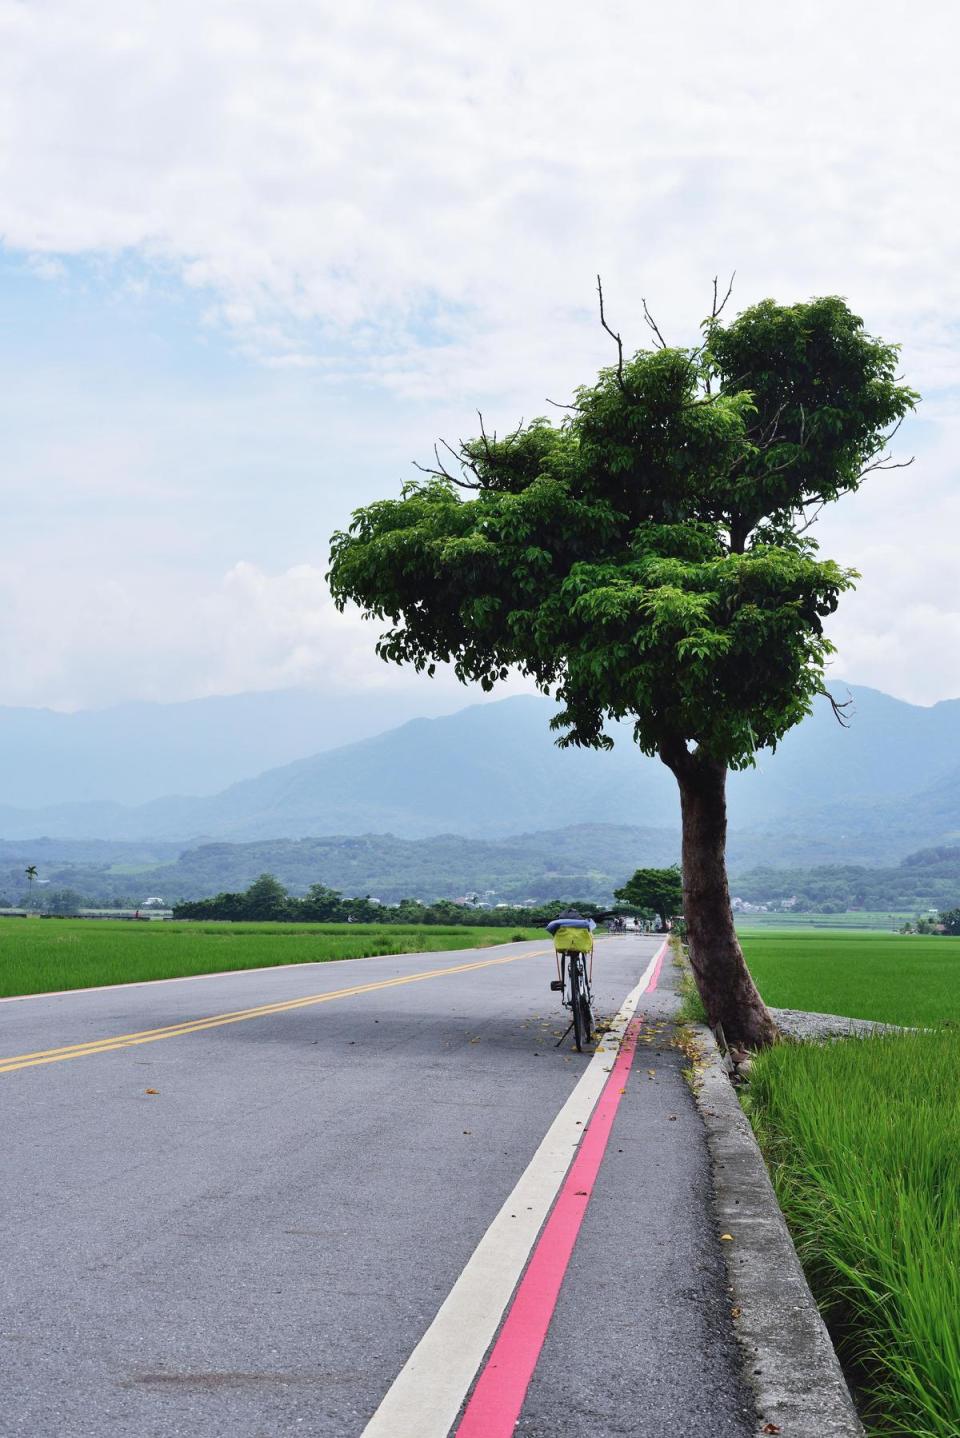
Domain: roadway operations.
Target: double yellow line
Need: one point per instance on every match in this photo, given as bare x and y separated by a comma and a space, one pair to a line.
239, 1016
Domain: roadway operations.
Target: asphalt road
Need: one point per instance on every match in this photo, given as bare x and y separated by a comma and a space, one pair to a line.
255, 1249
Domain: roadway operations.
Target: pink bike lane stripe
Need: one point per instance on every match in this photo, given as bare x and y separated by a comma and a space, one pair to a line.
499, 1392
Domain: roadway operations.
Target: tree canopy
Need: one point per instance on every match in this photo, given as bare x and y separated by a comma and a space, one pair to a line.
658, 889
646, 555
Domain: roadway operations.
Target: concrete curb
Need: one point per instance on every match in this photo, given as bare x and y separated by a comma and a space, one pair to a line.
788, 1357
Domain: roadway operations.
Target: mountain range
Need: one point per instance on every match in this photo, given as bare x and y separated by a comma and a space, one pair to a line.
868, 793
132, 753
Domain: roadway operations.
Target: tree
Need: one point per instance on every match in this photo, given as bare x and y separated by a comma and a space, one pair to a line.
950, 919
64, 902
266, 899
31, 873
648, 557
658, 889
320, 905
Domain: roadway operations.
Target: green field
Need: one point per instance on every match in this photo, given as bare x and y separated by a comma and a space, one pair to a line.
881, 920
896, 978
40, 955
863, 1143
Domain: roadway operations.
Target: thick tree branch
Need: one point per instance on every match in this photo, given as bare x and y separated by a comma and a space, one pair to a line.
677, 757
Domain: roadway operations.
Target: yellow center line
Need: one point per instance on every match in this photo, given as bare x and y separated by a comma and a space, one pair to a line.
194, 1026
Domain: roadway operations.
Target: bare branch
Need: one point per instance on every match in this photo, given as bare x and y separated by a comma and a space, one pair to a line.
613, 335
769, 433
717, 310
441, 471
483, 436
812, 520
840, 707
462, 457
653, 325
893, 464
885, 462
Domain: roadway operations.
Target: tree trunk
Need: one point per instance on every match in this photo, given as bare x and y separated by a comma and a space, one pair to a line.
729, 994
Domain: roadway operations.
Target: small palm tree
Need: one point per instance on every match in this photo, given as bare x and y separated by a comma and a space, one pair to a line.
31, 873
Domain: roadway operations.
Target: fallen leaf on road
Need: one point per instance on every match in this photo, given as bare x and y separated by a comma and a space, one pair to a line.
771, 1428
726, 1238
151, 1090
735, 1312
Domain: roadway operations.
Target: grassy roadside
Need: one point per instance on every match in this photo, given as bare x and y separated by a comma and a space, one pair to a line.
37, 956
862, 1139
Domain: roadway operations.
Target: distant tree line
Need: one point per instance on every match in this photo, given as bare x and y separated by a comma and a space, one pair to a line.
266, 901
929, 877
946, 922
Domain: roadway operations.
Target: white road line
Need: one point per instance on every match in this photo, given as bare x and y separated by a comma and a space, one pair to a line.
425, 1397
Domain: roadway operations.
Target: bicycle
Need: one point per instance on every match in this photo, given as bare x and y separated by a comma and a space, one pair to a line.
574, 985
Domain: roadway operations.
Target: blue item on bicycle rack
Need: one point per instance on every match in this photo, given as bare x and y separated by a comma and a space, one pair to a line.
563, 923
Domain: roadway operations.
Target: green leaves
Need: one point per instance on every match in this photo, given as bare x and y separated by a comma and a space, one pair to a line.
645, 557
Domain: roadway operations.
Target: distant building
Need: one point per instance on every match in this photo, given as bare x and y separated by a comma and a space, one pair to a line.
743, 906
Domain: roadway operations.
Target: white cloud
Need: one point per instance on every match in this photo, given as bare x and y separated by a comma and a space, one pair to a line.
86, 644
373, 173
406, 206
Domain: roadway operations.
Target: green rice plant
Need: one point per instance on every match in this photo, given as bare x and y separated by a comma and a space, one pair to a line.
44, 955
863, 1143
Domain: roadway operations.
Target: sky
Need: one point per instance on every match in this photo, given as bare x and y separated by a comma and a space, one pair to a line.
255, 257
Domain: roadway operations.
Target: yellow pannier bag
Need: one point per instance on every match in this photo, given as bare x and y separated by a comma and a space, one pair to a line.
567, 939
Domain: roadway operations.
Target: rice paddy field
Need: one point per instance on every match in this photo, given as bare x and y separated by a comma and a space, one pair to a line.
895, 978
43, 955
862, 1139
853, 919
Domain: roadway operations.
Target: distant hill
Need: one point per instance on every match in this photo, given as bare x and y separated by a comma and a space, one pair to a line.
584, 861
488, 770
132, 753
870, 793
588, 860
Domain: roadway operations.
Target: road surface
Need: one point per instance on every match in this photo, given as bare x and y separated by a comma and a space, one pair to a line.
246, 1223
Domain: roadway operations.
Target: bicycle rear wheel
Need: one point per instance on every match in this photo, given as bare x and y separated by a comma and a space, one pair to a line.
580, 1003
586, 1006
